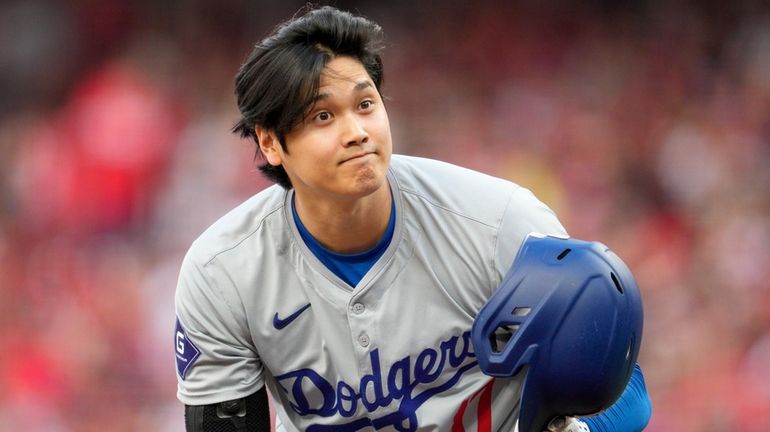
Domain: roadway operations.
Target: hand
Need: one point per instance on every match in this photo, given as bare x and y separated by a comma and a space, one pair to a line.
567, 424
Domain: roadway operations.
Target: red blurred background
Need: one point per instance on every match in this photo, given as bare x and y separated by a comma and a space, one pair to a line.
644, 124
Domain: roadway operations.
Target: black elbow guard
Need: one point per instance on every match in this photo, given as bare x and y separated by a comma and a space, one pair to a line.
251, 414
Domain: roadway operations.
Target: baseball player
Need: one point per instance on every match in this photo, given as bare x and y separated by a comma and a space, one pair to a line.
347, 291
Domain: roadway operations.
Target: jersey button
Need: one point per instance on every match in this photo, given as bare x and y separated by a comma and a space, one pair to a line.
358, 308
364, 340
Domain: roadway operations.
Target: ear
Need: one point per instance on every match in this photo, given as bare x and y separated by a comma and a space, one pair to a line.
269, 145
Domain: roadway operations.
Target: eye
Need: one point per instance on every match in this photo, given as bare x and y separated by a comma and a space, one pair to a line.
366, 104
323, 116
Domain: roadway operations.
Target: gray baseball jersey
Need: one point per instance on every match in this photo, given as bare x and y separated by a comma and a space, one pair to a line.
255, 307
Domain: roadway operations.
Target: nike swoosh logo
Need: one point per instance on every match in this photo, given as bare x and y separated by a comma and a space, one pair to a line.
279, 323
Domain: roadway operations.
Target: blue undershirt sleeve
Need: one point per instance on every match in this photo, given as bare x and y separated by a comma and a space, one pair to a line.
630, 413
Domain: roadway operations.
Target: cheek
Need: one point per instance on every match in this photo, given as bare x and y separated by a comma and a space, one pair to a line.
318, 158
381, 128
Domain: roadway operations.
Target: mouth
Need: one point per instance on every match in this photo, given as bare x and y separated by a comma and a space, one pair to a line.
356, 157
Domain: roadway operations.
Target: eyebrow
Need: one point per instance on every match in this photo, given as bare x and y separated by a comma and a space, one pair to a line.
360, 86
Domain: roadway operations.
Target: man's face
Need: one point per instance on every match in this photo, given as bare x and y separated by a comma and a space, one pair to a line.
342, 148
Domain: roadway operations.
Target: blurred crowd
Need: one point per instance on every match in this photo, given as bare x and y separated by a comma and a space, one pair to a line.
646, 127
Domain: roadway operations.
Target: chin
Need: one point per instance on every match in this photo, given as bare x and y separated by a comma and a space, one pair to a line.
368, 181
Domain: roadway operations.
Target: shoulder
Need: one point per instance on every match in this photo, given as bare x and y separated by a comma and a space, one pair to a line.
473, 207
460, 190
239, 224
219, 264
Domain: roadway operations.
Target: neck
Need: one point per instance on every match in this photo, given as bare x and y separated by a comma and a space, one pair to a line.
347, 226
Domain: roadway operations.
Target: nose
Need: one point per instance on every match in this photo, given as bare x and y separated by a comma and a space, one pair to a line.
353, 131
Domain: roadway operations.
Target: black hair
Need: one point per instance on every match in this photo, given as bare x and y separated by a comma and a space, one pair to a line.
279, 81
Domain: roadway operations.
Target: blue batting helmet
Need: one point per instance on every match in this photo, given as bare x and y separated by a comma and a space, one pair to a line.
570, 312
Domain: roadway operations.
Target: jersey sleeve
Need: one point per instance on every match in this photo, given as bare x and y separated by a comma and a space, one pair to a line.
524, 215
215, 356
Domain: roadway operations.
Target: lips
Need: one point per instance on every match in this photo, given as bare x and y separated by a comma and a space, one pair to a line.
356, 157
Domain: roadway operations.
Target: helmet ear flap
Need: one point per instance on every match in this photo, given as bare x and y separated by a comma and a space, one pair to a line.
570, 314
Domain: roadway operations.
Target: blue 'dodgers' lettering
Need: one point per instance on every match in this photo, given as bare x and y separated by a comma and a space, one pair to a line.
379, 389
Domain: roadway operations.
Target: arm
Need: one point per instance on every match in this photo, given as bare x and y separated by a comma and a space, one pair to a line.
251, 414
219, 374
630, 413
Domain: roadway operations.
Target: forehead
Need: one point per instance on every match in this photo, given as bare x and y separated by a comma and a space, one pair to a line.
343, 72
